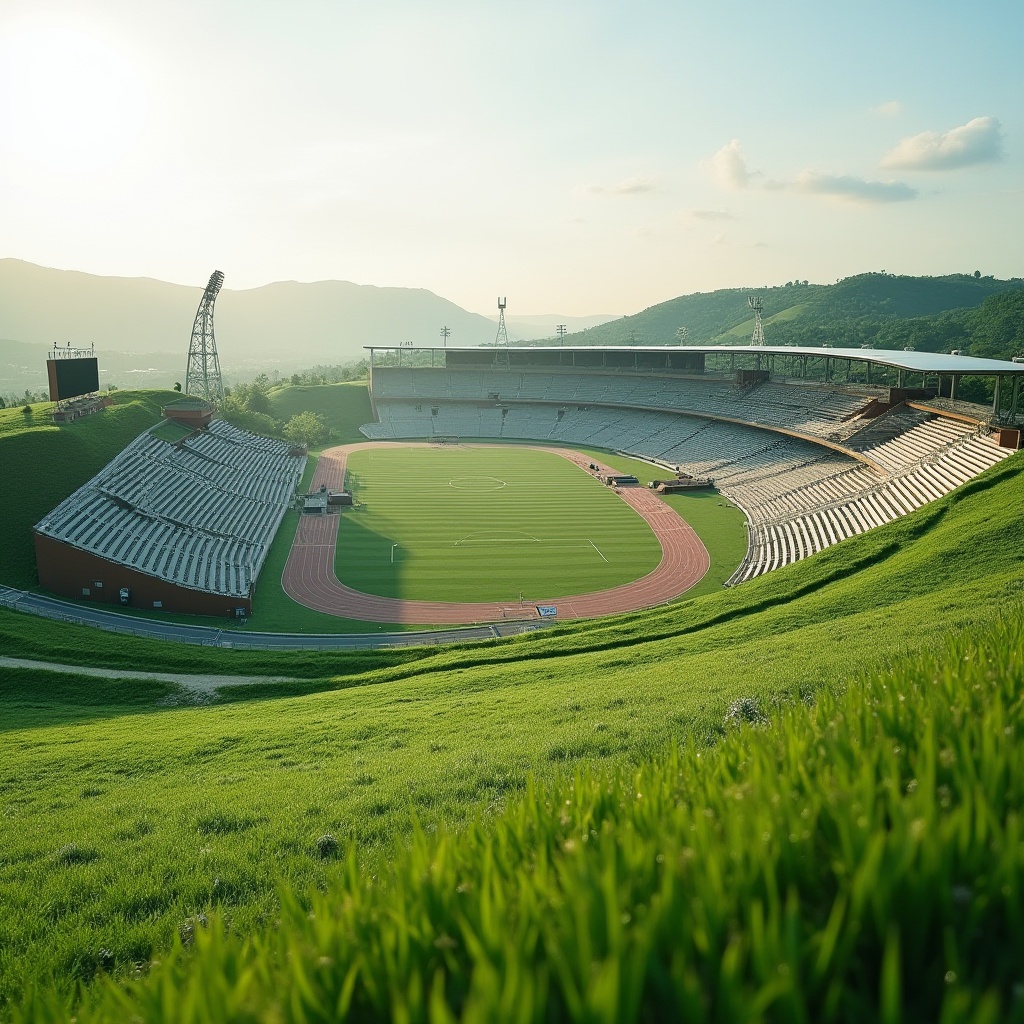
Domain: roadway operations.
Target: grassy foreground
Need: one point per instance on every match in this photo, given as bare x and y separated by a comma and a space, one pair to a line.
861, 859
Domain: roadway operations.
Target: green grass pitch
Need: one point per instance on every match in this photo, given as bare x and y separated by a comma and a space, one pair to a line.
485, 524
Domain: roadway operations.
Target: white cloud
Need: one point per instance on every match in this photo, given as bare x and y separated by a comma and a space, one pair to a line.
728, 166
629, 187
977, 142
711, 215
852, 189
890, 108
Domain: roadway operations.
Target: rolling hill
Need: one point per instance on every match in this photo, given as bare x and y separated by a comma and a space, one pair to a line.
868, 308
301, 324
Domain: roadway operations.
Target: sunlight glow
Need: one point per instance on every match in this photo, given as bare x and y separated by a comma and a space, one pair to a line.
69, 102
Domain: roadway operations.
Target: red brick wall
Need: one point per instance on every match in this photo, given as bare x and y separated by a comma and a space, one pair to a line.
67, 571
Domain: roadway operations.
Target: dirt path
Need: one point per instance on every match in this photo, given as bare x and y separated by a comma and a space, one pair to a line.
196, 684
309, 577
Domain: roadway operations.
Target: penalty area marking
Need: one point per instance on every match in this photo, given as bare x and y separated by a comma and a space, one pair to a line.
508, 538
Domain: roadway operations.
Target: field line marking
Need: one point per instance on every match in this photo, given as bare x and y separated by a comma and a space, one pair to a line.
596, 548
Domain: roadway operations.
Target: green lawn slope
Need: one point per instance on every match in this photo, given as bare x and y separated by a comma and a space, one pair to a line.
858, 860
133, 811
344, 407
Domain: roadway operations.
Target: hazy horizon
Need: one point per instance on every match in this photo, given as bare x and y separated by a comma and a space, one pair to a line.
581, 158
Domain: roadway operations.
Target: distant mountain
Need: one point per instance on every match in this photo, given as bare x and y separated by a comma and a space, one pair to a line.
296, 324
545, 325
853, 311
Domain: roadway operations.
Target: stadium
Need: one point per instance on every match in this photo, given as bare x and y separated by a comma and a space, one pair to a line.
814, 445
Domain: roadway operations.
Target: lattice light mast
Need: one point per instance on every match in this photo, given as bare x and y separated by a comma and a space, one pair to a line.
202, 378
755, 303
502, 336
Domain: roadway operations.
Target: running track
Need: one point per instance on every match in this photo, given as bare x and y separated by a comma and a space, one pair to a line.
309, 578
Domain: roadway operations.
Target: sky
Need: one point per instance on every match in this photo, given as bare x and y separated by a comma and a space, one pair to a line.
576, 157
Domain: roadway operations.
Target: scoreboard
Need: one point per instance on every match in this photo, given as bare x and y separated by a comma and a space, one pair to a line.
70, 378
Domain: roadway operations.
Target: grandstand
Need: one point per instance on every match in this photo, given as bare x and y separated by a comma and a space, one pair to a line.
810, 461
182, 526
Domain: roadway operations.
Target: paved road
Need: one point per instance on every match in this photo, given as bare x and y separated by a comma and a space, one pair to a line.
211, 636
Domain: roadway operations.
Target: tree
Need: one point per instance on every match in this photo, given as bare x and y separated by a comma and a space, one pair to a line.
306, 428
177, 386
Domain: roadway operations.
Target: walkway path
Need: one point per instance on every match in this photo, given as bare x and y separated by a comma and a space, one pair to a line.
195, 683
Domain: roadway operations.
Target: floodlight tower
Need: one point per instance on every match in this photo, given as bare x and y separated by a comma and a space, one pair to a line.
202, 377
755, 303
562, 329
502, 336
446, 333
501, 339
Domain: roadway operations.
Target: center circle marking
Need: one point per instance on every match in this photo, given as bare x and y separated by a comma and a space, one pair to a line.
477, 483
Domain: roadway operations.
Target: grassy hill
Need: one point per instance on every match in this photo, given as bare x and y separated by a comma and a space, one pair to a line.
853, 311
289, 321
344, 407
132, 813
858, 860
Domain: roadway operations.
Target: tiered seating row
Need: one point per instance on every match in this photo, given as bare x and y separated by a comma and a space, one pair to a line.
200, 514
817, 410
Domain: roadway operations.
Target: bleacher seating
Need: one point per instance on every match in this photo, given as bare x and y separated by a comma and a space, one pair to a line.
799, 495
201, 513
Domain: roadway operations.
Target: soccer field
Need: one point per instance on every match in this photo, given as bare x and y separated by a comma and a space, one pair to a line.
485, 524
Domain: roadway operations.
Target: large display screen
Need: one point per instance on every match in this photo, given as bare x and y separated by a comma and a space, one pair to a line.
70, 378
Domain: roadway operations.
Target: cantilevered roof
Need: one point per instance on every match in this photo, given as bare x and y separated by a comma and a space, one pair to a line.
915, 362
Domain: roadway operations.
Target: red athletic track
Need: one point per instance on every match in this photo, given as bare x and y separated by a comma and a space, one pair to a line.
309, 572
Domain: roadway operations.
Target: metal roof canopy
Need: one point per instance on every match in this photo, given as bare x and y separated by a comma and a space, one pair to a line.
914, 362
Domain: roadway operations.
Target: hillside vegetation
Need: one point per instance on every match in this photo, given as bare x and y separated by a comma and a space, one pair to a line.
343, 407
132, 814
979, 315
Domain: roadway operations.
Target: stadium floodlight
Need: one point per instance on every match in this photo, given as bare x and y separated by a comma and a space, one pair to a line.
446, 334
202, 376
561, 328
502, 336
755, 302
501, 339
